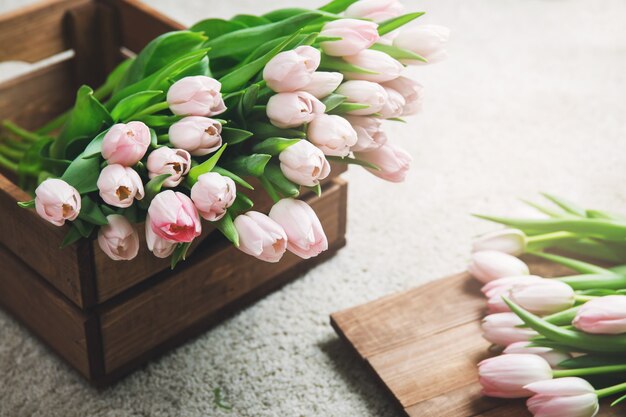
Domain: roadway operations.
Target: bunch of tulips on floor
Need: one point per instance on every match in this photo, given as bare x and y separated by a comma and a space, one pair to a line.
175, 134
563, 339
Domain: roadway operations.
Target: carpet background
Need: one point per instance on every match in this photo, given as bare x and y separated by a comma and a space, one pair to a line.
532, 99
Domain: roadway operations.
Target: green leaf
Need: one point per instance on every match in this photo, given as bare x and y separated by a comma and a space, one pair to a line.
26, 204
227, 227
264, 130
282, 183
286, 13
114, 79
248, 100
180, 253
206, 166
233, 136
353, 161
132, 104
317, 189
619, 400
84, 228
73, 235
600, 214
214, 28
566, 205
347, 107
157, 121
274, 146
152, 188
333, 63
237, 179
332, 101
84, 171
241, 204
249, 20
91, 213
154, 139
397, 53
396, 22
575, 264
95, 146
249, 165
337, 6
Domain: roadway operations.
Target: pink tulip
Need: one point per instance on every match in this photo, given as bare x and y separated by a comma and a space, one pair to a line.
364, 92
332, 134
562, 397
511, 241
393, 162
126, 144
323, 83
506, 376
118, 239
261, 236
304, 164
411, 91
160, 247
197, 135
369, 132
489, 265
212, 195
356, 35
56, 201
173, 217
120, 186
394, 106
552, 356
428, 41
494, 290
502, 329
385, 67
376, 10
604, 315
546, 296
197, 95
291, 70
305, 235
175, 162
287, 110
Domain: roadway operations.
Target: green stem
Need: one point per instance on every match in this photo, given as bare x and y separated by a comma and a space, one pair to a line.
155, 108
608, 391
594, 281
164, 138
538, 242
19, 131
562, 318
16, 144
270, 189
584, 298
8, 165
11, 153
575, 264
597, 370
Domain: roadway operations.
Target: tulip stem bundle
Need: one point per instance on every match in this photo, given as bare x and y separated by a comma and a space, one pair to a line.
555, 331
178, 134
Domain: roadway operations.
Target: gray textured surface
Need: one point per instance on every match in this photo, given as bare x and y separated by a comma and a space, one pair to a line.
533, 98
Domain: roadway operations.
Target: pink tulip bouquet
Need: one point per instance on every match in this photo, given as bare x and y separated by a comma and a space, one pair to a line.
559, 335
173, 136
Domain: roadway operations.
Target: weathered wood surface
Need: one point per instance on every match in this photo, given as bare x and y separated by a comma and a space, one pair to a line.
423, 344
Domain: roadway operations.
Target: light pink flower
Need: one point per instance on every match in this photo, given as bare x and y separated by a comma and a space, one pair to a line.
260, 236
562, 397
411, 91
552, 356
291, 70
118, 239
126, 144
174, 217
376, 10
369, 132
356, 35
393, 161
546, 296
323, 83
502, 329
120, 186
287, 110
56, 201
332, 134
428, 41
495, 289
304, 164
164, 160
197, 95
394, 107
160, 247
364, 92
386, 67
197, 135
212, 195
604, 315
506, 376
489, 265
511, 241
305, 235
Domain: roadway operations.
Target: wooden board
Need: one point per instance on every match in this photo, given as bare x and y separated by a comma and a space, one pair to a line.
423, 345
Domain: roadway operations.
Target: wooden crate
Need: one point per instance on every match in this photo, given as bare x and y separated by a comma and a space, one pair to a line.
106, 317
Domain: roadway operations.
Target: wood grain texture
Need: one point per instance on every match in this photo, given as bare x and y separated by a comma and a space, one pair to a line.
424, 344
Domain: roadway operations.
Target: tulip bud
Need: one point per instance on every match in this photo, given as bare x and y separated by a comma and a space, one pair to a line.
511, 241
502, 329
169, 161
212, 195
126, 144
119, 186
118, 239
393, 162
490, 265
506, 376
260, 236
494, 290
364, 92
56, 201
552, 356
197, 135
369, 132
542, 297
305, 235
286, 110
604, 315
394, 106
385, 67
376, 10
411, 91
570, 396
291, 70
160, 247
173, 217
196, 96
323, 83
304, 164
332, 134
356, 35
428, 41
